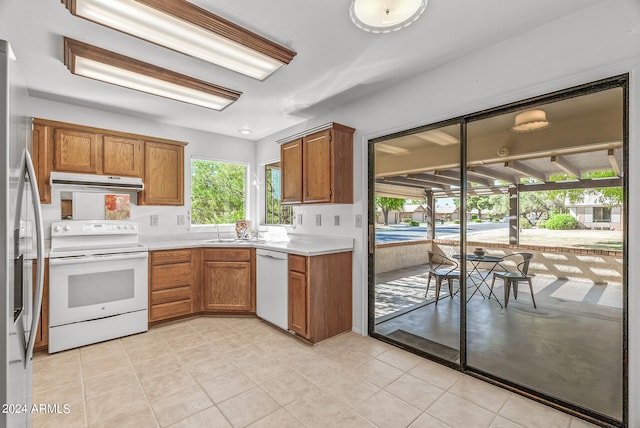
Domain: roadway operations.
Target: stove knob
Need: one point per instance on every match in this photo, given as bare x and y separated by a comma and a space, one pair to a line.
66, 228
56, 228
119, 227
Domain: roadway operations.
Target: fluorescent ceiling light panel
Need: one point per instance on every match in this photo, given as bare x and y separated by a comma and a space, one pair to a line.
100, 64
187, 28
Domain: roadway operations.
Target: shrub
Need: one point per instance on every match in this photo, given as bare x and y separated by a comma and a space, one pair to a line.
477, 220
561, 222
524, 224
497, 220
414, 223
405, 220
456, 221
541, 224
474, 216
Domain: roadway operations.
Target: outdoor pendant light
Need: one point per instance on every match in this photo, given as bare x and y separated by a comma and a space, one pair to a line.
385, 16
531, 120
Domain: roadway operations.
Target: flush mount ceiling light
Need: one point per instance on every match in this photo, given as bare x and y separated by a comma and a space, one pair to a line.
385, 16
245, 131
189, 29
531, 120
100, 64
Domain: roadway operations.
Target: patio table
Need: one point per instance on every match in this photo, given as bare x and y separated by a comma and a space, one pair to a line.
475, 262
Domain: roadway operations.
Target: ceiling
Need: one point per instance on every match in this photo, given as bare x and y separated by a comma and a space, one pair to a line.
335, 63
585, 135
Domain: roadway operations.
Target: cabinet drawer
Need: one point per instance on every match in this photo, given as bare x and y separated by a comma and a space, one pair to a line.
171, 256
297, 263
170, 295
170, 310
170, 276
228, 255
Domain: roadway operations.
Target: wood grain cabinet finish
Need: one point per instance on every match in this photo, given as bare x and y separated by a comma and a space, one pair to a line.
163, 174
67, 147
291, 161
229, 280
322, 162
42, 335
320, 290
173, 290
75, 151
122, 156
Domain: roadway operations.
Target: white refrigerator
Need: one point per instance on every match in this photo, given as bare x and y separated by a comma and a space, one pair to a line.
22, 244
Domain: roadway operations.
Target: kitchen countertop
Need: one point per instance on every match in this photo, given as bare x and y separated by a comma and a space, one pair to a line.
304, 245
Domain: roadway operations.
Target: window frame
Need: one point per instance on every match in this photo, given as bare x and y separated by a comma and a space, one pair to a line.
247, 191
263, 196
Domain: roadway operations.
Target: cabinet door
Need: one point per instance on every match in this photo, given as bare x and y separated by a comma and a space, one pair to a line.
75, 151
122, 156
163, 174
227, 286
41, 158
291, 167
42, 336
317, 167
298, 303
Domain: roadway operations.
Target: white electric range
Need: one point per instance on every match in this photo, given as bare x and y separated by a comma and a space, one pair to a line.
97, 282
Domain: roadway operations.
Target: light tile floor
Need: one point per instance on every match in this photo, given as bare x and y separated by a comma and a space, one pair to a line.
237, 372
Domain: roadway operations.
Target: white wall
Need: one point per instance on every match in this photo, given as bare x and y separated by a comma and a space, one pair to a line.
596, 43
201, 144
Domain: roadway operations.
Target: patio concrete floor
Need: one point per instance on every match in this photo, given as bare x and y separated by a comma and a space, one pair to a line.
570, 347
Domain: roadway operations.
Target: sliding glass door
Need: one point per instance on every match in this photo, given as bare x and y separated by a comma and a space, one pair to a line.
416, 282
531, 292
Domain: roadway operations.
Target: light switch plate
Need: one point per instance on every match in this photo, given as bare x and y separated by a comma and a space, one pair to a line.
300, 219
181, 219
318, 219
336, 220
358, 220
154, 220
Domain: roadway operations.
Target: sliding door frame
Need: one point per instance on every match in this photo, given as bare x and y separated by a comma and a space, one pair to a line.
619, 81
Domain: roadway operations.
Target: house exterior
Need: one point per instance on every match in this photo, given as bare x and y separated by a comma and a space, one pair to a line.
593, 214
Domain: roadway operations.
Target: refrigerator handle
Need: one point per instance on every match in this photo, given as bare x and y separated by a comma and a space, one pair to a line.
37, 303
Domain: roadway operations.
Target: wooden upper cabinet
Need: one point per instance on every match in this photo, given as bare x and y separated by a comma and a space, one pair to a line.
67, 147
41, 158
163, 174
75, 151
317, 166
122, 156
291, 161
323, 165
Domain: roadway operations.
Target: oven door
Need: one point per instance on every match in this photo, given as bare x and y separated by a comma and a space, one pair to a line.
91, 287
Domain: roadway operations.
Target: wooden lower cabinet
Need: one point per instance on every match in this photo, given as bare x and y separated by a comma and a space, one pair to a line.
229, 280
320, 289
173, 290
42, 336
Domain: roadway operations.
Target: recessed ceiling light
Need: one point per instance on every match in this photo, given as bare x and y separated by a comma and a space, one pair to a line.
530, 120
187, 28
100, 64
245, 131
385, 16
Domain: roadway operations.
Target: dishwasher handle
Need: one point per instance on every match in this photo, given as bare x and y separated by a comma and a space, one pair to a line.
272, 254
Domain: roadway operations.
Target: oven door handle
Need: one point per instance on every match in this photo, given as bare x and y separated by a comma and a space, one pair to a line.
102, 258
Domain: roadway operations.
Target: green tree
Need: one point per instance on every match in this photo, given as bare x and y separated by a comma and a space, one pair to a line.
479, 203
388, 204
218, 192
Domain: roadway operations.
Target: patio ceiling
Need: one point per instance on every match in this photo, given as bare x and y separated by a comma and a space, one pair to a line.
585, 136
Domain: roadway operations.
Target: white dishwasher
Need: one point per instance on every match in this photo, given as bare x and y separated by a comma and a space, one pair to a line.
272, 287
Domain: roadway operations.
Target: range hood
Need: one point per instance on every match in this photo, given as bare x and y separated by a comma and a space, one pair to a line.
72, 181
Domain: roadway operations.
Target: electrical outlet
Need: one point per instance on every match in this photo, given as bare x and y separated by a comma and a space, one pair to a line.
154, 220
358, 220
300, 219
336, 220
318, 219
181, 220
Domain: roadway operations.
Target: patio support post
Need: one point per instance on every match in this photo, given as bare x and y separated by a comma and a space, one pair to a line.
431, 214
514, 230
